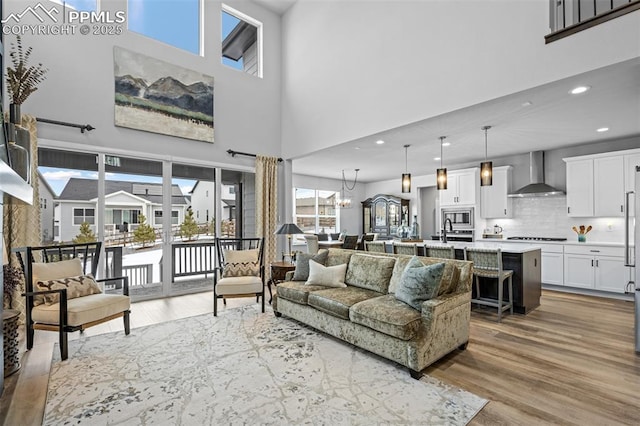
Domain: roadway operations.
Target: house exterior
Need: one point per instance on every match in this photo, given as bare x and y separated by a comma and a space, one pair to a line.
47, 207
125, 201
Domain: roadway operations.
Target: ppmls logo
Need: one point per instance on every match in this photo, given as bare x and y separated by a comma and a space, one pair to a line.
38, 20
38, 11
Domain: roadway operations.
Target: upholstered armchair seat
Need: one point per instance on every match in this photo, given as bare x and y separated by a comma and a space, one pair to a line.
238, 285
82, 310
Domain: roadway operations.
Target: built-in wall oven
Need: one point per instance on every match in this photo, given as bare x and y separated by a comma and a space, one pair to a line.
461, 218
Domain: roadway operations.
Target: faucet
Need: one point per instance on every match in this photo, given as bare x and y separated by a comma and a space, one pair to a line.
444, 229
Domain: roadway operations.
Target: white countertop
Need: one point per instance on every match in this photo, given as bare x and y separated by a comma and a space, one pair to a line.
567, 242
488, 244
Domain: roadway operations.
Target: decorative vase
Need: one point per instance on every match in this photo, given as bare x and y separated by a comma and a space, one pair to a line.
20, 161
14, 114
415, 228
582, 238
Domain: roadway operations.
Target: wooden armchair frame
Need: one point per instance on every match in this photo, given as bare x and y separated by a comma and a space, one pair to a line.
89, 254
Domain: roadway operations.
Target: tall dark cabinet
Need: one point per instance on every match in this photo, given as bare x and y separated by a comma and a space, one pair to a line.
383, 214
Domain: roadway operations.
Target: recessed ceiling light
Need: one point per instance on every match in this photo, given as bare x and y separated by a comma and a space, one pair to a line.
357, 147
603, 129
527, 103
445, 144
436, 158
380, 142
579, 89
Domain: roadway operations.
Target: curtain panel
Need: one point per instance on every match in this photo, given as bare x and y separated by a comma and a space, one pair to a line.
267, 205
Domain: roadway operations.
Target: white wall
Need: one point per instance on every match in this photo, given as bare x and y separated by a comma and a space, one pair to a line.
79, 88
356, 68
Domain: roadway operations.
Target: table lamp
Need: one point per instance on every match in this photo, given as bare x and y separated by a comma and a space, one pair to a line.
289, 229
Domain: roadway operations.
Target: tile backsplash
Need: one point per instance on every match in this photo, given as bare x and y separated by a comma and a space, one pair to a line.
547, 217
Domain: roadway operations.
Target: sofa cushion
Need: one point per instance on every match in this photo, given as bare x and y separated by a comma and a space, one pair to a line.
83, 310
419, 283
387, 315
370, 272
337, 301
83, 285
239, 285
302, 264
297, 291
338, 257
450, 275
330, 276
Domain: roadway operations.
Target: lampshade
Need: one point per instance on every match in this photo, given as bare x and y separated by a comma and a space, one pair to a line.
406, 176
486, 167
288, 229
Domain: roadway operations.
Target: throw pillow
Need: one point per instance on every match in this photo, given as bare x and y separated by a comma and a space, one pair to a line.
83, 285
419, 283
42, 271
241, 263
302, 264
329, 276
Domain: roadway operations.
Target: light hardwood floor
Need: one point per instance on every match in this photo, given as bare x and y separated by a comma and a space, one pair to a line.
571, 361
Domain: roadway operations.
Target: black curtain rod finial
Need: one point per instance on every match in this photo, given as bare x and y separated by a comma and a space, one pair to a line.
82, 127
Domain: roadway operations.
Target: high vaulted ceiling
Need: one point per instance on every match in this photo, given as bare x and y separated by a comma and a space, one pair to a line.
542, 118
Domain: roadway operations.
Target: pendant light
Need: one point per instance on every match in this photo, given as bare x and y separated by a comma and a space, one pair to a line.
486, 167
441, 173
406, 176
344, 201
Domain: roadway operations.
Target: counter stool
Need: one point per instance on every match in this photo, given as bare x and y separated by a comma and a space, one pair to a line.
443, 252
487, 263
405, 248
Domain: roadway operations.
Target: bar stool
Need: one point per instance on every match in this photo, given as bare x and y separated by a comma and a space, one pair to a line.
487, 263
405, 248
443, 252
375, 246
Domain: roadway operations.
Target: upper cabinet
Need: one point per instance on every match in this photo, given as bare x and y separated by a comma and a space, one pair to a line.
494, 200
461, 188
596, 184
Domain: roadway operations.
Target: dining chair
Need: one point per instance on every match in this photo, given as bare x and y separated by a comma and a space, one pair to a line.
323, 237
350, 242
312, 243
375, 246
363, 239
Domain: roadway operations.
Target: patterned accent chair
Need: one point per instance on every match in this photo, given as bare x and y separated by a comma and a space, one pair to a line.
240, 270
405, 248
487, 263
443, 252
375, 246
62, 294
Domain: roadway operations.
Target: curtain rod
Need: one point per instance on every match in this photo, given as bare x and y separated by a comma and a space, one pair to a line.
82, 127
234, 153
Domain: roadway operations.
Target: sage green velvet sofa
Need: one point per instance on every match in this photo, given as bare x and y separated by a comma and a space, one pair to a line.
367, 314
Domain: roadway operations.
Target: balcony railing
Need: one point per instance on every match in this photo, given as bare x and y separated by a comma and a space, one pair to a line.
567, 17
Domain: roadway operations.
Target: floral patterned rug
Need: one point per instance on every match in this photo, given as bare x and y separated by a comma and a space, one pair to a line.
243, 367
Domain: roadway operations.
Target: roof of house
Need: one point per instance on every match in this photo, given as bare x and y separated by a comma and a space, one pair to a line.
87, 189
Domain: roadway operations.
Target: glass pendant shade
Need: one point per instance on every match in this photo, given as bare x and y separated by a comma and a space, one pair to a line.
406, 182
441, 178
406, 176
486, 173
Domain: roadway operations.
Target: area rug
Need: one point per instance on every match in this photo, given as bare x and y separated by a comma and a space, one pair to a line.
243, 367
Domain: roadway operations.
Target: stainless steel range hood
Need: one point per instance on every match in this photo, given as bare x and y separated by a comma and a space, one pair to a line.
537, 187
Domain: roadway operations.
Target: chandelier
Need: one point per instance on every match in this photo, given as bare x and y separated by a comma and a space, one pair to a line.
344, 200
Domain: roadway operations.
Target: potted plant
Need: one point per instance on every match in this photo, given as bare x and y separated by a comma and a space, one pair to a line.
12, 281
22, 78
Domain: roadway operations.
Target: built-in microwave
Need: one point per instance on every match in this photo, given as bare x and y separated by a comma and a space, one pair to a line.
461, 218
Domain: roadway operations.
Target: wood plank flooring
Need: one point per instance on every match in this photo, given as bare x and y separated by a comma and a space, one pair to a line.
569, 362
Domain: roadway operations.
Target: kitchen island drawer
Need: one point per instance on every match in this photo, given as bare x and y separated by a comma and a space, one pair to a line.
594, 250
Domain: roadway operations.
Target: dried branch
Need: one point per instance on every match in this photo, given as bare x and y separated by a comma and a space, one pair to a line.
22, 78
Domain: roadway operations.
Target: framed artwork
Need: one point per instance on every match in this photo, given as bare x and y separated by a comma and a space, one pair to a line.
159, 97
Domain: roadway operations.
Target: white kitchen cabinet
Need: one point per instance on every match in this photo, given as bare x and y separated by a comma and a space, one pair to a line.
552, 264
580, 188
608, 186
494, 200
630, 163
596, 186
461, 188
595, 267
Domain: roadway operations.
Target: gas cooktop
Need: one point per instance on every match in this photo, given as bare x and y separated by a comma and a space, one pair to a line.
537, 238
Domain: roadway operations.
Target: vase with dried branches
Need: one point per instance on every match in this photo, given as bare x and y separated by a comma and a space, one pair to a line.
22, 78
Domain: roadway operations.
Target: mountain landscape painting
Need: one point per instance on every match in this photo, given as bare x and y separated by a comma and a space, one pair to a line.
156, 96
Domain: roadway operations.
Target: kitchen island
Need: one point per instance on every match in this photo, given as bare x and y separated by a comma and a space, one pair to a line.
525, 262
